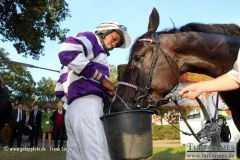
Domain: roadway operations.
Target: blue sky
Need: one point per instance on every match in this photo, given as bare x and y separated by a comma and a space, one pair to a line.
87, 14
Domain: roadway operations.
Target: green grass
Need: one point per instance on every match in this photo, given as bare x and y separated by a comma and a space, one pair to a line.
166, 153
45, 155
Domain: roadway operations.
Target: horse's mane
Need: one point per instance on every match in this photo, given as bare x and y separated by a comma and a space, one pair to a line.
228, 29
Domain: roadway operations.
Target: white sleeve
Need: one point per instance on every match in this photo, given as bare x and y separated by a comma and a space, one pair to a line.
235, 72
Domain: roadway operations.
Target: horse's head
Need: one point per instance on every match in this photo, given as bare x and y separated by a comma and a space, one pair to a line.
151, 73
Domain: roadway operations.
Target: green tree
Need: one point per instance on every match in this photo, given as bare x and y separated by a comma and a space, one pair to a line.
17, 79
113, 73
120, 71
45, 91
27, 23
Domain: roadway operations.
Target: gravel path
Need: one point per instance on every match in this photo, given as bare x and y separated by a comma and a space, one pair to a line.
166, 143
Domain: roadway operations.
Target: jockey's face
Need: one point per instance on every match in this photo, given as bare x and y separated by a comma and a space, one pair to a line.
112, 40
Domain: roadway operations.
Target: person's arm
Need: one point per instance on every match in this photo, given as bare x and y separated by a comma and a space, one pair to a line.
39, 118
31, 118
59, 91
222, 83
51, 121
108, 86
42, 119
226, 82
77, 52
53, 117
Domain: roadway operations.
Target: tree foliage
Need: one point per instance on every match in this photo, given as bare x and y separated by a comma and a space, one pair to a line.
120, 71
113, 74
27, 23
18, 81
45, 91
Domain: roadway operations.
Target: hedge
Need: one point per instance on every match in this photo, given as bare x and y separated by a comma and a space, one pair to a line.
165, 132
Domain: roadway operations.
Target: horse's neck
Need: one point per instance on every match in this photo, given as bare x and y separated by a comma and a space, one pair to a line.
209, 54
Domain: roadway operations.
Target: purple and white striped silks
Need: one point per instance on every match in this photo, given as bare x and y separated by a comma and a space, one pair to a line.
81, 56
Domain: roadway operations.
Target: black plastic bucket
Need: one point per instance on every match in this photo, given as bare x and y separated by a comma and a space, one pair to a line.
129, 134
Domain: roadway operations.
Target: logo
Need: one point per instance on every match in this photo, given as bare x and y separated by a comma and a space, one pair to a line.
208, 151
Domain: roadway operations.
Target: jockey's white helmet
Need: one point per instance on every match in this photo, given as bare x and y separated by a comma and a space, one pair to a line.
113, 25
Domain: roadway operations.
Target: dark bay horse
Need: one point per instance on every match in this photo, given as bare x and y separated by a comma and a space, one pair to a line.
157, 59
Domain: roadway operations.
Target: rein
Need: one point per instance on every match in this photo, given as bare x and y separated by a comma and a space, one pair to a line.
131, 86
152, 105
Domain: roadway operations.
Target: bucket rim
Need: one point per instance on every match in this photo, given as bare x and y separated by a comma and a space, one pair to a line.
129, 111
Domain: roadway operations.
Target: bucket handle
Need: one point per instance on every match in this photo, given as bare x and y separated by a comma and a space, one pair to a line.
114, 98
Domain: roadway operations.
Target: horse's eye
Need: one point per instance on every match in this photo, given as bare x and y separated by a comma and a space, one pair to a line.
137, 58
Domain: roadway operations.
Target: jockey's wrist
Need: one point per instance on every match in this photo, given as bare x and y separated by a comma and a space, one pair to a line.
98, 76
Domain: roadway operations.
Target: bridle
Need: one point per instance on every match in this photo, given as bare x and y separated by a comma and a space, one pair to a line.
146, 90
153, 105
145, 96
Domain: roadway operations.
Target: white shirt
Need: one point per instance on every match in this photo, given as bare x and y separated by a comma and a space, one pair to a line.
19, 117
60, 111
235, 72
35, 115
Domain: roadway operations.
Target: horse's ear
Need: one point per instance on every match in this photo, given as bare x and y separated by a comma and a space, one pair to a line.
153, 21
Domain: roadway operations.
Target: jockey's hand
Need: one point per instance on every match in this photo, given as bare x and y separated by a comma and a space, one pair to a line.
108, 85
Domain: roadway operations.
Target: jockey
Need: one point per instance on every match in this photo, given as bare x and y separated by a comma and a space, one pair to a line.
84, 85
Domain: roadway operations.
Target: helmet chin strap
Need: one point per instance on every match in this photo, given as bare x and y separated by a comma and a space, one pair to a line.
101, 37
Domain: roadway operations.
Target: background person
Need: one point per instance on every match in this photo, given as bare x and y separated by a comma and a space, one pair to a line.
84, 84
17, 124
59, 125
47, 124
26, 129
165, 119
213, 100
35, 123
